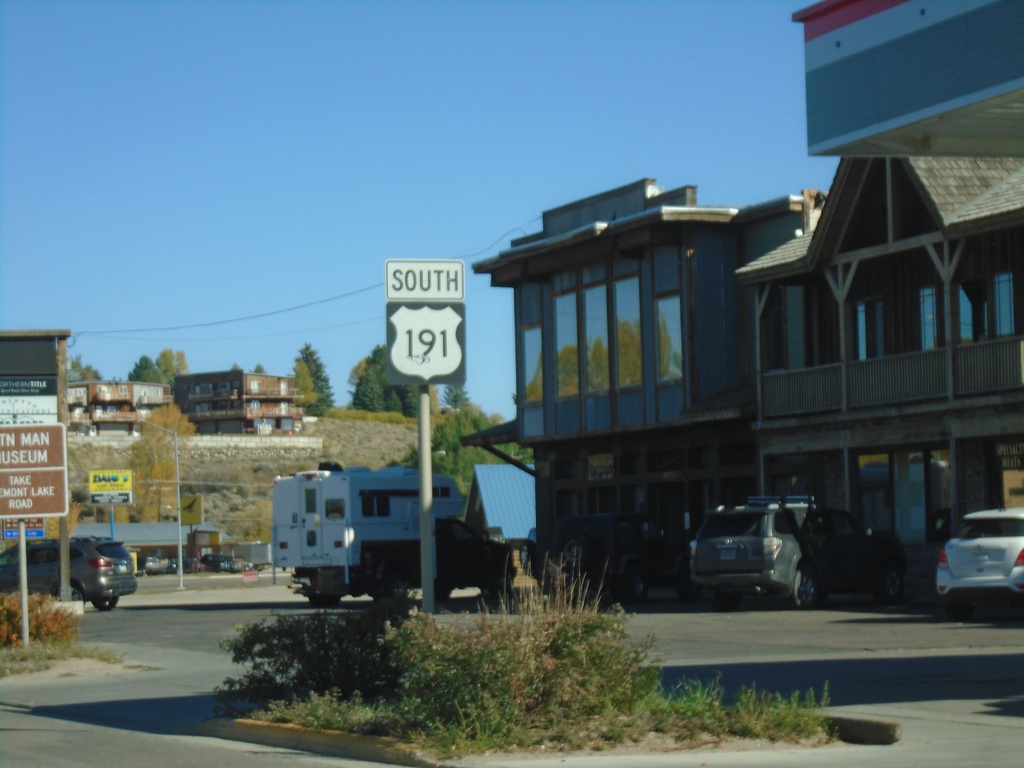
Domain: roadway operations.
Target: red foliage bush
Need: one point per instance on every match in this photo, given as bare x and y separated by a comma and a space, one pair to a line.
48, 624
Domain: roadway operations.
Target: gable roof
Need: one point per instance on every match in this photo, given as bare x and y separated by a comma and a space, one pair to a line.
965, 194
508, 497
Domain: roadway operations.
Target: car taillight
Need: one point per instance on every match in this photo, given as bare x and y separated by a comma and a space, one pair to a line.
943, 560
1020, 560
772, 545
100, 562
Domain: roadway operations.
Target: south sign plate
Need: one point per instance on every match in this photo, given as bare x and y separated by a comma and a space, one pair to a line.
418, 280
426, 343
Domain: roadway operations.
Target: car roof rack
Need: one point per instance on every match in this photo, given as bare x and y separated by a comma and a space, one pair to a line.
779, 501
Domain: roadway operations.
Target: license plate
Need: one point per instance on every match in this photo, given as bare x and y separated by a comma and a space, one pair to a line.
120, 568
727, 554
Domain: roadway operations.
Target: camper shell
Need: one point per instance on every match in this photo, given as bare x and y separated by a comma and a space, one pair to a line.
356, 532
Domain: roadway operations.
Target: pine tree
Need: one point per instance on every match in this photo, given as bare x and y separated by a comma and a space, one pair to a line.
321, 382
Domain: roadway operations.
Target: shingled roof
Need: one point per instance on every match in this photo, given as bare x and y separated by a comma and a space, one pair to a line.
967, 193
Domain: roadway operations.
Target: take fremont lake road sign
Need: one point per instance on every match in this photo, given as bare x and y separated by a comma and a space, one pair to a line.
33, 471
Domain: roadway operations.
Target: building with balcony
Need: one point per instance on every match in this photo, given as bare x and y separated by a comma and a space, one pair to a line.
890, 345
113, 407
235, 402
632, 347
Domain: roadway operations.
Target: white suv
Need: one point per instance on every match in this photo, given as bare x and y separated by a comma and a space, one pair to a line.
983, 563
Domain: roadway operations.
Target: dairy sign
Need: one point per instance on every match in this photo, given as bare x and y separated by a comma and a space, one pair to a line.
33, 471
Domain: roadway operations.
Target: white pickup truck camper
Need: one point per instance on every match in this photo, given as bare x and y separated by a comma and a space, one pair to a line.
357, 531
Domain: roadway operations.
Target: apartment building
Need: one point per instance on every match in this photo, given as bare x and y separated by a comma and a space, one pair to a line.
113, 407
235, 402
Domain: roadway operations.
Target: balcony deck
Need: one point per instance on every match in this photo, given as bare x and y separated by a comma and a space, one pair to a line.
978, 369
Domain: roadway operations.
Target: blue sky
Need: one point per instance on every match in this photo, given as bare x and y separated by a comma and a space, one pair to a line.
227, 178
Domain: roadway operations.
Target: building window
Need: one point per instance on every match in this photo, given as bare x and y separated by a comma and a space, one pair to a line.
870, 330
533, 359
670, 339
567, 343
595, 307
628, 347
973, 312
929, 323
1004, 304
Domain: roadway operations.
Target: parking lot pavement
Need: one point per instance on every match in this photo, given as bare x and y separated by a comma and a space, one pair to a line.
950, 687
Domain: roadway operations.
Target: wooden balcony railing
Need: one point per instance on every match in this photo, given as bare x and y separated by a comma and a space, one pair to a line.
807, 390
898, 378
990, 366
982, 367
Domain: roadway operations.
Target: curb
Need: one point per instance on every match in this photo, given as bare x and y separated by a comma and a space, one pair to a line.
855, 730
374, 749
380, 749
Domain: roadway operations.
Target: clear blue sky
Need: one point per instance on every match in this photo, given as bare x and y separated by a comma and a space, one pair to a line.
168, 170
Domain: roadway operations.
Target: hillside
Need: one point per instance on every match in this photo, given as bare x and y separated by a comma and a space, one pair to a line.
236, 483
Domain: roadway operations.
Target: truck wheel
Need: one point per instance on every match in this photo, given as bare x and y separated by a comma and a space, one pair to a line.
324, 601
806, 588
105, 603
632, 586
396, 587
891, 588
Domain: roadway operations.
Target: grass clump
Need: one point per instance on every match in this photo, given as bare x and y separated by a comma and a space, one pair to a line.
558, 673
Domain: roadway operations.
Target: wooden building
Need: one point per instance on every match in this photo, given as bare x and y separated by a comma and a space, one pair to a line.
891, 345
632, 348
235, 402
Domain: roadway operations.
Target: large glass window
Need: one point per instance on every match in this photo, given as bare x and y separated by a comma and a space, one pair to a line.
670, 339
628, 349
567, 342
595, 306
533, 360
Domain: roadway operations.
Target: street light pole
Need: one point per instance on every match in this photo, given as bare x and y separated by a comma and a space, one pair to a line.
177, 489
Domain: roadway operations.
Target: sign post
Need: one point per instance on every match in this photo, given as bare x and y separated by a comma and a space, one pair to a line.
426, 334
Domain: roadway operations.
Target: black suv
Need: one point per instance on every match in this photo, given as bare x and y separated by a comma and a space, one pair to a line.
788, 547
624, 552
101, 570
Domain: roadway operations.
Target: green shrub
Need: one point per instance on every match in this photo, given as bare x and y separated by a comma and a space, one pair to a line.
48, 624
552, 662
293, 657
380, 417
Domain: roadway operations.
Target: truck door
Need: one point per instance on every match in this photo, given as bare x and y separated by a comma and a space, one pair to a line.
313, 547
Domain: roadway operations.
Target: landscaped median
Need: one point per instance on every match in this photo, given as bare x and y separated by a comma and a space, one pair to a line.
555, 675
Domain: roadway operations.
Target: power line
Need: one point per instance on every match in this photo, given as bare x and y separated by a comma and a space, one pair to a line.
233, 319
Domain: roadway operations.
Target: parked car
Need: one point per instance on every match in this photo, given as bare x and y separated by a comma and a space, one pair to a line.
983, 563
217, 563
101, 570
788, 547
624, 552
151, 565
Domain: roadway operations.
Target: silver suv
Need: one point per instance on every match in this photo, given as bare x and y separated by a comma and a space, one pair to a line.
787, 547
101, 570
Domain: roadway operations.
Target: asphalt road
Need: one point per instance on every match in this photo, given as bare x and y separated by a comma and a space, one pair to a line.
956, 689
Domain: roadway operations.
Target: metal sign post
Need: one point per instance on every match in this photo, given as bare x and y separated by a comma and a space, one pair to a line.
426, 334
